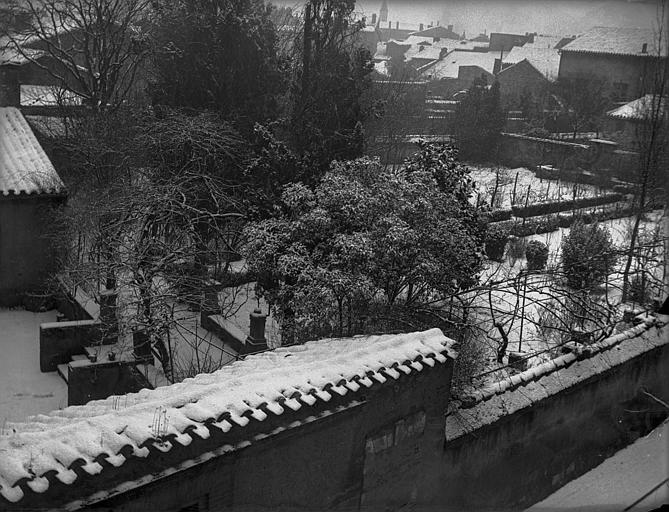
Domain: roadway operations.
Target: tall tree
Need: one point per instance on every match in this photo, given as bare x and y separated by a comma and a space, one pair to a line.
220, 55
585, 100
332, 72
479, 120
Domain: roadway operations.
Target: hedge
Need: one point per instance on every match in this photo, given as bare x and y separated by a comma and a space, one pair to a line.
533, 210
547, 223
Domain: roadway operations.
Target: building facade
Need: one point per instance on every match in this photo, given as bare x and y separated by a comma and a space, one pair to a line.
30, 189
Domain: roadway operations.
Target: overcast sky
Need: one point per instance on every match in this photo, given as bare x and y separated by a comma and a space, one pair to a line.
551, 17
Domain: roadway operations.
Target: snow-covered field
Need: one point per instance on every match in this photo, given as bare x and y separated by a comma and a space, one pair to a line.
24, 389
525, 183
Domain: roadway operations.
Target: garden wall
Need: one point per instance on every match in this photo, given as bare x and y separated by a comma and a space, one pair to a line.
95, 381
59, 341
512, 445
522, 151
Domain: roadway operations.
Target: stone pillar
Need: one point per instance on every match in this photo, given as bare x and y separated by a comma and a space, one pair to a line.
256, 341
141, 344
210, 305
108, 316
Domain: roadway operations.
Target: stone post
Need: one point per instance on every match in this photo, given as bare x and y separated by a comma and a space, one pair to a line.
256, 341
141, 344
108, 316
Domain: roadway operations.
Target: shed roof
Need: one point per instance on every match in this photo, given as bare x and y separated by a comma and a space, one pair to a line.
617, 41
640, 109
46, 449
24, 166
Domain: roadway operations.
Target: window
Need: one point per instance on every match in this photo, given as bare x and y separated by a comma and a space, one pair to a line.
620, 91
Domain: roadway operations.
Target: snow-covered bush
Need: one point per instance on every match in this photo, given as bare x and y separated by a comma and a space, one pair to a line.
588, 256
536, 253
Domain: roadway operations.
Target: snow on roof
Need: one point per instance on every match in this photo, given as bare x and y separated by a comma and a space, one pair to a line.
426, 53
46, 448
639, 109
449, 66
545, 60
438, 31
24, 166
617, 41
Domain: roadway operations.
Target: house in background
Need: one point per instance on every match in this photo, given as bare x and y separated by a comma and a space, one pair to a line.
624, 58
504, 42
528, 72
29, 189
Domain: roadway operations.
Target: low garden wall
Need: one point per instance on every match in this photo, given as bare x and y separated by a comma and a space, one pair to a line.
96, 381
59, 341
511, 445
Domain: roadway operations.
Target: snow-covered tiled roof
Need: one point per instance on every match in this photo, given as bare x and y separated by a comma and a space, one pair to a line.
545, 60
641, 108
617, 41
48, 448
24, 166
449, 66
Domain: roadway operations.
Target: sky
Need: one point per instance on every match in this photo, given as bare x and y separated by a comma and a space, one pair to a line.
550, 17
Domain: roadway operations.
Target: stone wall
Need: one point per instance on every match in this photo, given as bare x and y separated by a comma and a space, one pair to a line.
512, 445
523, 151
95, 381
59, 341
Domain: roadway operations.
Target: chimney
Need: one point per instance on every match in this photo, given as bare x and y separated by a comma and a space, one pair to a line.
397, 25
644, 48
10, 89
374, 19
450, 28
421, 27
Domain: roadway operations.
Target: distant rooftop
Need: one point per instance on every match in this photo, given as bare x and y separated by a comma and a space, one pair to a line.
546, 60
45, 449
617, 41
438, 31
24, 166
450, 65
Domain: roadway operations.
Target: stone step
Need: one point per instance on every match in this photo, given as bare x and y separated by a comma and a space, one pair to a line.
63, 371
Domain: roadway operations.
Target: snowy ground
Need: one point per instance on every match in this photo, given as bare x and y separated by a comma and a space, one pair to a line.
636, 479
526, 183
24, 390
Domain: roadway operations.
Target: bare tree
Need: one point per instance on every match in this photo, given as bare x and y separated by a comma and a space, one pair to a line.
93, 47
652, 137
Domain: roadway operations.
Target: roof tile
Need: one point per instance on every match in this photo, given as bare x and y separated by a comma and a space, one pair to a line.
256, 386
24, 166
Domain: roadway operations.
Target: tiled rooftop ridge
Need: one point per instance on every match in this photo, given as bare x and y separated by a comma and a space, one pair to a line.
61, 447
